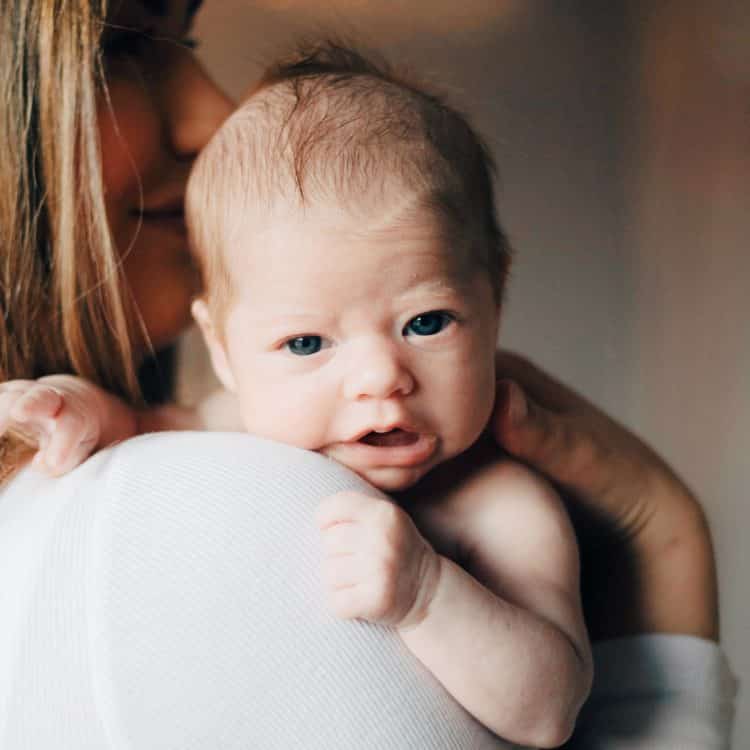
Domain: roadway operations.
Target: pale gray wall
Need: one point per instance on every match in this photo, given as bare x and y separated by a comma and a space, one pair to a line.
630, 282
541, 86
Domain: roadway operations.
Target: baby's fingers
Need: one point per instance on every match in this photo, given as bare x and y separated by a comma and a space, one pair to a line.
10, 392
30, 412
342, 539
345, 589
348, 602
38, 405
72, 441
343, 507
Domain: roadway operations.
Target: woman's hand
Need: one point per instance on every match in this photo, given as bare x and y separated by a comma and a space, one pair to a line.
646, 552
376, 565
65, 417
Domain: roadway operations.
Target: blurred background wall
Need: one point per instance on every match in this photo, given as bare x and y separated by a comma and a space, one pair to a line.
622, 132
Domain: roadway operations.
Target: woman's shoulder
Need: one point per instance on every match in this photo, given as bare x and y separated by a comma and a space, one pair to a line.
194, 466
178, 451
185, 579
136, 494
159, 459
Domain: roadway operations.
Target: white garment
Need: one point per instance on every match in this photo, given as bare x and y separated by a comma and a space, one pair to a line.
165, 595
658, 692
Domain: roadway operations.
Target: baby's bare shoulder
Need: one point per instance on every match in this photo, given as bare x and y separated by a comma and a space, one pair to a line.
502, 488
501, 500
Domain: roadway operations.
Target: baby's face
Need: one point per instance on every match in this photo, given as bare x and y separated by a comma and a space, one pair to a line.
361, 338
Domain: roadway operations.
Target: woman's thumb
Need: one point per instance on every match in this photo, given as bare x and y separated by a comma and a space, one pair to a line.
528, 431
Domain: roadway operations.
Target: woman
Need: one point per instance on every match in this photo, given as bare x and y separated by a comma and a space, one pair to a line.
134, 609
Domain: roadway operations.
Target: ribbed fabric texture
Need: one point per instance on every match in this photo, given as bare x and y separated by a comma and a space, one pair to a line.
166, 595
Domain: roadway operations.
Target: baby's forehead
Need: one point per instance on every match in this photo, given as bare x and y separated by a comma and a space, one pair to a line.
373, 235
385, 213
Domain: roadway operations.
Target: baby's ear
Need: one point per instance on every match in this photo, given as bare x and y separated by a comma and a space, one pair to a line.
214, 343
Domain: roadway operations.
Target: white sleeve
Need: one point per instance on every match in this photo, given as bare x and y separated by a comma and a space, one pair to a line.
177, 606
669, 692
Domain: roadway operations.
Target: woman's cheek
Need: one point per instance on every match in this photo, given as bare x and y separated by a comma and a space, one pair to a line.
130, 138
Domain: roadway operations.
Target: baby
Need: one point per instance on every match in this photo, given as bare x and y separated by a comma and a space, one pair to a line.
353, 268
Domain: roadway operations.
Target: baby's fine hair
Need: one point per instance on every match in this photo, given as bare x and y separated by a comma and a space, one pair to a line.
330, 124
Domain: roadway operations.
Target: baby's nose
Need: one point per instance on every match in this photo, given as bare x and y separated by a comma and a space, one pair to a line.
378, 373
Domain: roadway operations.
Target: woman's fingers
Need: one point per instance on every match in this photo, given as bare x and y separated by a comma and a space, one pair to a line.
588, 455
563, 446
527, 431
647, 562
541, 387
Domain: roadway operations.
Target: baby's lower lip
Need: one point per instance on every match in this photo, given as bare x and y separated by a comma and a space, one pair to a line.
397, 448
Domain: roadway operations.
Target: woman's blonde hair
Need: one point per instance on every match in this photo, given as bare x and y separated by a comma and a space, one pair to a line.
62, 306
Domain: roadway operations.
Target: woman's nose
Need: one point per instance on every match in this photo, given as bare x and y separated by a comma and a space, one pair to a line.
378, 374
195, 106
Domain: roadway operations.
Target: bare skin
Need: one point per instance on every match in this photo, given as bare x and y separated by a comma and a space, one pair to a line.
481, 582
637, 522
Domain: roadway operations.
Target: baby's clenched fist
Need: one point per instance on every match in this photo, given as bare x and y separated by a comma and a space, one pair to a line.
376, 564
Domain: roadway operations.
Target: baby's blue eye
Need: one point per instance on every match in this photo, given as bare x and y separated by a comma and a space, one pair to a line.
304, 346
427, 324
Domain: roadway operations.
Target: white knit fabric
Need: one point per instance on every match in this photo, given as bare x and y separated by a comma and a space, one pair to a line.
666, 692
165, 595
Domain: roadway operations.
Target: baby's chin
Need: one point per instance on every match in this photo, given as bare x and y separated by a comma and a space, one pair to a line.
392, 478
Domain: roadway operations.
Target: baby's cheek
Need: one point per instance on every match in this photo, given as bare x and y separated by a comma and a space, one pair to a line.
285, 415
485, 399
469, 408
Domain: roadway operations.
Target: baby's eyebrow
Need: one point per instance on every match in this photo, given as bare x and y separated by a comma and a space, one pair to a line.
283, 318
436, 288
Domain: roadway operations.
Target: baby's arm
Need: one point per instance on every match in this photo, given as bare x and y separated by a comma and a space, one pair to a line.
513, 648
68, 418
509, 640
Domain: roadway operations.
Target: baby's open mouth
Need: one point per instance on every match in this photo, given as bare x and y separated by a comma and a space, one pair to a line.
391, 438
